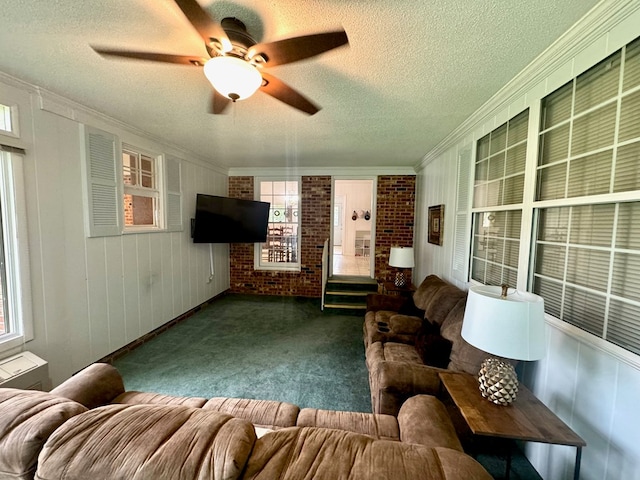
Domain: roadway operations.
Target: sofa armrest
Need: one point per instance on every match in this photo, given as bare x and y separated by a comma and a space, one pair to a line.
377, 301
94, 386
423, 419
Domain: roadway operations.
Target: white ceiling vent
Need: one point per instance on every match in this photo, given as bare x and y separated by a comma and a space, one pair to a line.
25, 371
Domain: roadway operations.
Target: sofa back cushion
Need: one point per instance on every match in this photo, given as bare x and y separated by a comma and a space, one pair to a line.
423, 294
27, 419
464, 356
124, 442
442, 302
324, 453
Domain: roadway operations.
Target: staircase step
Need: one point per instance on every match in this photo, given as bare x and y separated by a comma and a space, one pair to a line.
352, 284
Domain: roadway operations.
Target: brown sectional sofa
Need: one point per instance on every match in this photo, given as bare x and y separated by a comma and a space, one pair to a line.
91, 427
410, 341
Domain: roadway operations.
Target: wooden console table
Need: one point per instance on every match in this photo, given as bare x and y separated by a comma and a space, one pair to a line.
527, 418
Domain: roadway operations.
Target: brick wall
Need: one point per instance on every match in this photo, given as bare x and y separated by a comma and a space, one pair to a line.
394, 227
315, 198
394, 220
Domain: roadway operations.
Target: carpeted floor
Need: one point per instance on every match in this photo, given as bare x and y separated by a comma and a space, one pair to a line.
272, 348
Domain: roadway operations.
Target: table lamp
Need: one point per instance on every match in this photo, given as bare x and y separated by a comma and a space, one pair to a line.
401, 257
507, 323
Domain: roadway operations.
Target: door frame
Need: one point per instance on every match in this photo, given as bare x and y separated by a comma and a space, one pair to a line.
374, 190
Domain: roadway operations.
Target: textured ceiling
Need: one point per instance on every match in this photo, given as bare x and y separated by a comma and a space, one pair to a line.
414, 71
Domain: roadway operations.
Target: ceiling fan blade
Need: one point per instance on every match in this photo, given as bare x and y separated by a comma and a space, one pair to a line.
219, 103
206, 26
283, 92
152, 57
297, 48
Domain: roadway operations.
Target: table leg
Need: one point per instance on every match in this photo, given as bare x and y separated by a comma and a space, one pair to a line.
576, 471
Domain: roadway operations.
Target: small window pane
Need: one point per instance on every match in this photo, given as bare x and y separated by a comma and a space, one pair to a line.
516, 158
556, 108
594, 130
552, 182
139, 210
554, 145
550, 260
589, 268
5, 118
592, 225
513, 190
623, 328
552, 293
499, 139
483, 147
584, 310
632, 66
496, 166
628, 234
590, 175
518, 128
627, 176
598, 84
482, 169
494, 193
630, 117
553, 224
626, 276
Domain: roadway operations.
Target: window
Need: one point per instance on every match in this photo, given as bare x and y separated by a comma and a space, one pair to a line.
281, 251
5, 118
499, 183
141, 192
15, 307
587, 209
127, 189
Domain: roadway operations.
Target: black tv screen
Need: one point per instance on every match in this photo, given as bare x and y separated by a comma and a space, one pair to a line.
229, 220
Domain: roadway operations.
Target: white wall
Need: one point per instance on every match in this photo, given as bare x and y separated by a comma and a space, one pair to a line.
92, 296
593, 388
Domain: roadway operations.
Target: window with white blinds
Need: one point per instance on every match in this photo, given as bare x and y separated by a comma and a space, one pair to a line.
497, 202
587, 239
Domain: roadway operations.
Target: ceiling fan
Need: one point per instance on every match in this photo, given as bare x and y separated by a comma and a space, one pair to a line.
237, 63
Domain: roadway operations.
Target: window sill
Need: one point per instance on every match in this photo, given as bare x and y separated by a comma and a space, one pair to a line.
278, 268
10, 342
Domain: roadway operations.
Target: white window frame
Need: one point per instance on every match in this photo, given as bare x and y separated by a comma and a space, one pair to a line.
279, 266
10, 111
157, 193
19, 317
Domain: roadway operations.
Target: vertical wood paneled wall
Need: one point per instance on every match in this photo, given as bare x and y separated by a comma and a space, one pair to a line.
92, 296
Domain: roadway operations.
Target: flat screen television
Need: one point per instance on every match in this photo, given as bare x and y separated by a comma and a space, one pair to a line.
229, 220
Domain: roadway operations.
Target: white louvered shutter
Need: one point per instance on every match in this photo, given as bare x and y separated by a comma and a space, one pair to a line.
174, 194
102, 183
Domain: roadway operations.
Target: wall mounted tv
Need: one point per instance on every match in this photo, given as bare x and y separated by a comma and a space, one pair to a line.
229, 220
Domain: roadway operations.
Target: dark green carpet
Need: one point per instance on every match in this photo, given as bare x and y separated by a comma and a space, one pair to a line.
272, 348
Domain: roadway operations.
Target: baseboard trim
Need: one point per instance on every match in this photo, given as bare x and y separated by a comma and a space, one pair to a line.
121, 352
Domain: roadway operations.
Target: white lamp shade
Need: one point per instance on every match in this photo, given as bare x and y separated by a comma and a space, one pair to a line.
401, 257
511, 327
232, 77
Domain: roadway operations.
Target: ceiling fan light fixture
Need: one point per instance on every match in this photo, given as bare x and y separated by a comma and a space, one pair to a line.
232, 77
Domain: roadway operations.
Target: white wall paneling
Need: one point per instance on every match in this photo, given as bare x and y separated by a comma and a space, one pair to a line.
592, 388
92, 296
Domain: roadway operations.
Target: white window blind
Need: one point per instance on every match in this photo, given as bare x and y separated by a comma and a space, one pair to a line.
461, 239
587, 242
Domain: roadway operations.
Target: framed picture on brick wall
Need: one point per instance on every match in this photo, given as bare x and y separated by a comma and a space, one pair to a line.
436, 219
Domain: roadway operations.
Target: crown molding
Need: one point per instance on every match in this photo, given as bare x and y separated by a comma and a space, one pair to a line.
320, 171
53, 103
593, 25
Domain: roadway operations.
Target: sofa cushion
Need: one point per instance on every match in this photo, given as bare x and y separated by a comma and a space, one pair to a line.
262, 413
326, 454
429, 286
383, 427
464, 356
27, 418
442, 302
130, 442
400, 352
139, 398
94, 386
423, 419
